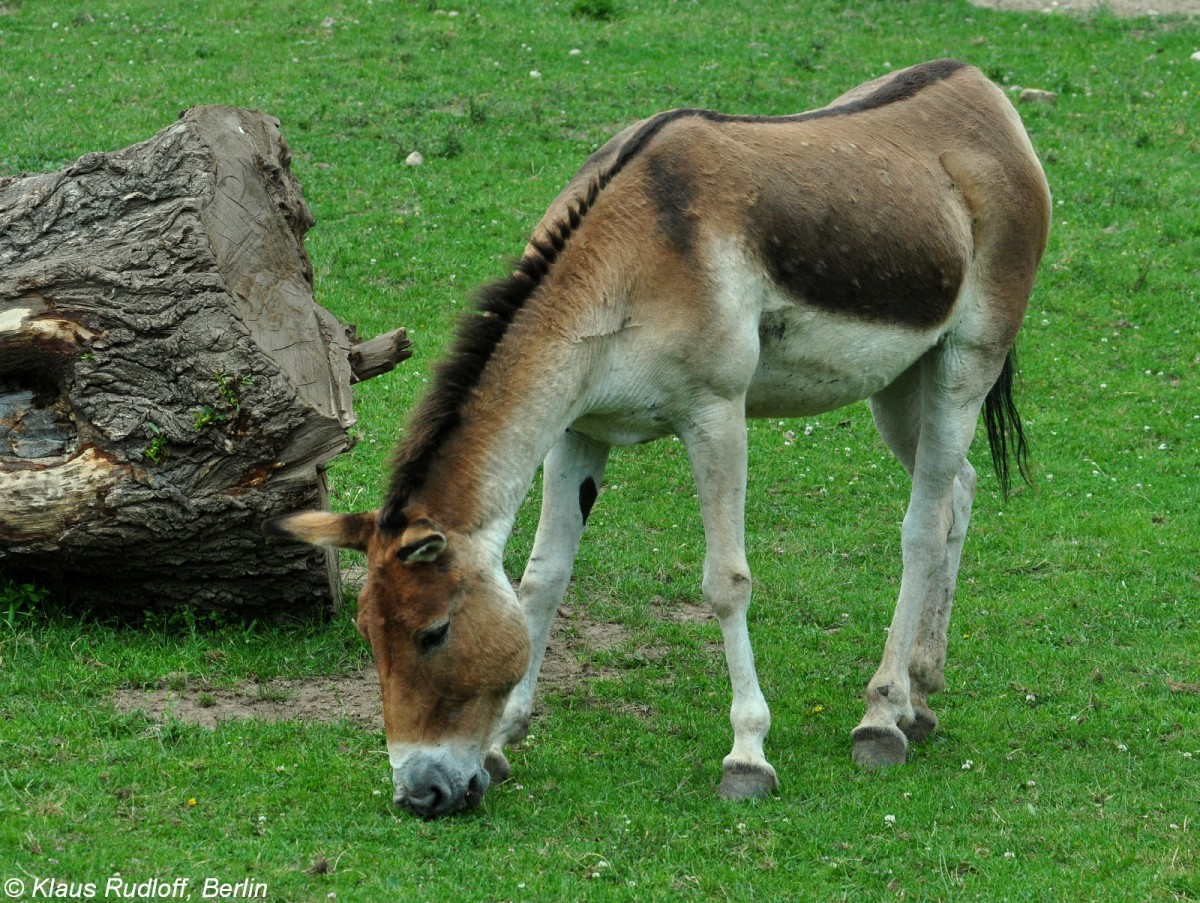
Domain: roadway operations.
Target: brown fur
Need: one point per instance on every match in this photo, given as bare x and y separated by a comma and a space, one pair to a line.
782, 181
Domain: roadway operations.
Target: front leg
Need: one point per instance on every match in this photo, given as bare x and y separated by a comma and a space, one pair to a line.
571, 478
716, 445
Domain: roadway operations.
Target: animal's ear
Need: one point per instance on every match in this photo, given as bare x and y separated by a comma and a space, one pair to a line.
421, 542
321, 528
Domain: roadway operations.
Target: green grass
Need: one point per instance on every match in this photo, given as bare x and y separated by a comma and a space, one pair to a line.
1068, 764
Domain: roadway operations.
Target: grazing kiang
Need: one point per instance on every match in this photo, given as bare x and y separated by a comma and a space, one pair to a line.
699, 270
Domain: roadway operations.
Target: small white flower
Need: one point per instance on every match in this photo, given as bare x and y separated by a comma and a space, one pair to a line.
968, 765
1121, 747
1008, 854
533, 73
890, 819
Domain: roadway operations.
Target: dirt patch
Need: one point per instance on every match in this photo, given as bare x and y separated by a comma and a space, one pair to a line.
681, 611
1123, 8
574, 643
574, 640
350, 697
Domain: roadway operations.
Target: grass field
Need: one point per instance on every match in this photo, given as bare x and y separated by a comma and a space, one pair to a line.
1068, 763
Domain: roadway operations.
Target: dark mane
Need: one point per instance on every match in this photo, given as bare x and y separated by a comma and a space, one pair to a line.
478, 335
456, 376
480, 331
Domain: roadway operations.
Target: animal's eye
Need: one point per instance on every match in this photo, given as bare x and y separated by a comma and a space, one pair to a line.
429, 638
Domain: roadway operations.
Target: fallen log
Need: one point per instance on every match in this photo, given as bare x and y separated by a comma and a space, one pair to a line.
166, 378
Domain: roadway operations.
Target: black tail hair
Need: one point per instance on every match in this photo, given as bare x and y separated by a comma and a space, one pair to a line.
1005, 434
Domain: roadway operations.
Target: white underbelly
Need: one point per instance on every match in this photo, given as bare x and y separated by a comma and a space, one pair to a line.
808, 362
811, 361
790, 359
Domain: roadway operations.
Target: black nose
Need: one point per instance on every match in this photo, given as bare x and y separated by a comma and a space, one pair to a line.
433, 792
432, 799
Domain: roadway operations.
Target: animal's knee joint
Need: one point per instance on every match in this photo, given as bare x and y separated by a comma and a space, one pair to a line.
728, 593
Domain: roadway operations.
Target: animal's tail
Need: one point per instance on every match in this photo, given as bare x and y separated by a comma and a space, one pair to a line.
1005, 434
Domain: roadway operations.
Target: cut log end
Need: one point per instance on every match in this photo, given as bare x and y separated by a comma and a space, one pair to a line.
169, 388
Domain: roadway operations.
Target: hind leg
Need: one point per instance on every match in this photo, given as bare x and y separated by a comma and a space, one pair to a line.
897, 416
929, 428
927, 666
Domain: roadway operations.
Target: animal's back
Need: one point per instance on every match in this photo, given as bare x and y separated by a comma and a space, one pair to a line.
905, 159
842, 243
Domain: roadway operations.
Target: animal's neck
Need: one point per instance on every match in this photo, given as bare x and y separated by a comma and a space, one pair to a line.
530, 392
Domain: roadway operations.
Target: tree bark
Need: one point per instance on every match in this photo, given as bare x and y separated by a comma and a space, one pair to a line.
166, 379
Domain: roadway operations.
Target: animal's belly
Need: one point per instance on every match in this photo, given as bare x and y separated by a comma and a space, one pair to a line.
624, 425
811, 362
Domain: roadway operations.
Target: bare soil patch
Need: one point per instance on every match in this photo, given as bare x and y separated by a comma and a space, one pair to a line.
354, 697
350, 697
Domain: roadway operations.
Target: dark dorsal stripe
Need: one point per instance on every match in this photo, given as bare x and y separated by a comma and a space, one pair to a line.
481, 331
905, 85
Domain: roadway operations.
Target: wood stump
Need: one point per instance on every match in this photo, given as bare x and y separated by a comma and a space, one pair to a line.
166, 379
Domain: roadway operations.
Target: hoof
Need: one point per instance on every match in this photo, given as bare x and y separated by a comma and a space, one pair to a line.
878, 747
744, 781
923, 723
497, 767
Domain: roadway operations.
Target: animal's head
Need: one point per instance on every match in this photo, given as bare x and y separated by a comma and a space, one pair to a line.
449, 641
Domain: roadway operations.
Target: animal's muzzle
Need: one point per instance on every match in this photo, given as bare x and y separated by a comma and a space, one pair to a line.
431, 790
